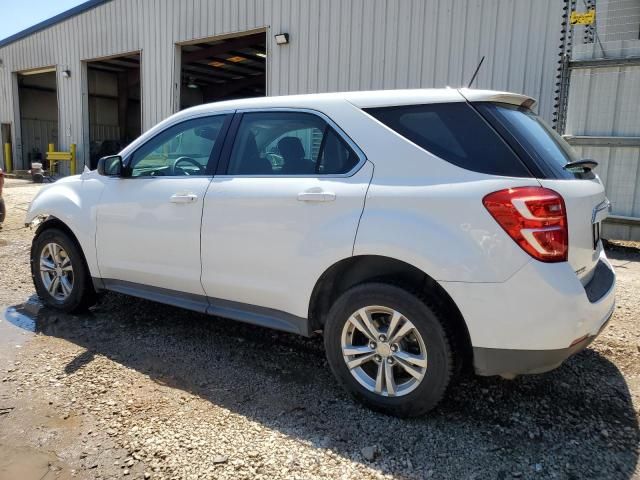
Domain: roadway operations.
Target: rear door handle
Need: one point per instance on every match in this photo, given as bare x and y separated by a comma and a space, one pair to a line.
183, 198
316, 196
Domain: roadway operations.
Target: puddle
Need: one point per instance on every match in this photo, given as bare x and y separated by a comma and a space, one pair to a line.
32, 317
27, 463
18, 323
22, 316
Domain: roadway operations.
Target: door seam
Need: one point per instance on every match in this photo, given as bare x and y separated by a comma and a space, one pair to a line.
364, 205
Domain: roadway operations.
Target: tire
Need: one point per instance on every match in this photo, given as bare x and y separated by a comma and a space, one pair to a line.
426, 339
81, 294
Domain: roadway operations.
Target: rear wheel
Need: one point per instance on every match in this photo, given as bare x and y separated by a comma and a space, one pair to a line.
389, 349
59, 272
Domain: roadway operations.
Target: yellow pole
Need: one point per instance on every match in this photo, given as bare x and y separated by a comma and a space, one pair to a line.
7, 157
73, 159
52, 164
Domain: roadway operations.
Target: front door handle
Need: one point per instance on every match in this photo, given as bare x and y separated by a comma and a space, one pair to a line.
183, 198
316, 196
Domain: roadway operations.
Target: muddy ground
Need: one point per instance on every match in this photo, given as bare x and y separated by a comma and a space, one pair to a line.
136, 389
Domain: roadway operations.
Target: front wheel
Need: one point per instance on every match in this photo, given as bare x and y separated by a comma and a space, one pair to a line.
59, 272
389, 349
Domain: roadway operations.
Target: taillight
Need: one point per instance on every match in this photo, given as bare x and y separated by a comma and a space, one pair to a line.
535, 218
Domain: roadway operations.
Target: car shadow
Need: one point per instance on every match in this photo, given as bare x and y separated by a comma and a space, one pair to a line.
622, 251
576, 422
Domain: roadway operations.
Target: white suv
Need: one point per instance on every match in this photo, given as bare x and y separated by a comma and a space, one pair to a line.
419, 230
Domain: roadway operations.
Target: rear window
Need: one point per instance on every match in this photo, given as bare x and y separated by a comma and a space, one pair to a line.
455, 132
533, 138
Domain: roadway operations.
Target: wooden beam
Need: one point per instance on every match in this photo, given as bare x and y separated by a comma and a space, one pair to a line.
124, 63
105, 67
250, 56
190, 70
236, 65
212, 51
35, 87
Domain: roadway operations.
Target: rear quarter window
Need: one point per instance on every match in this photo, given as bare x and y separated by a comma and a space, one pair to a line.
533, 139
456, 133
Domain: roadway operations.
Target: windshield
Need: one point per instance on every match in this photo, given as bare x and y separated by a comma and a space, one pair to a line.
544, 145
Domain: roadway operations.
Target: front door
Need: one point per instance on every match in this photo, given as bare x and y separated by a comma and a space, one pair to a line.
286, 207
148, 223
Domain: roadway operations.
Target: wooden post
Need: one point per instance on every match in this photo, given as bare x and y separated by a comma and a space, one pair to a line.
7, 158
72, 165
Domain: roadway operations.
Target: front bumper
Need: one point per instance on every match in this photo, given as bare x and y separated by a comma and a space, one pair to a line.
535, 320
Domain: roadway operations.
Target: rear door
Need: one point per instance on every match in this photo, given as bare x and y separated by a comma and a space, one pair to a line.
284, 208
547, 153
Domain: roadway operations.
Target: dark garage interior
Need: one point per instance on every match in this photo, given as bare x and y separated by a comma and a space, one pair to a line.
114, 104
38, 97
223, 69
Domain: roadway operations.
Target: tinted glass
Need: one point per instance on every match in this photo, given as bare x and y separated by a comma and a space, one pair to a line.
456, 133
546, 147
288, 143
336, 156
184, 149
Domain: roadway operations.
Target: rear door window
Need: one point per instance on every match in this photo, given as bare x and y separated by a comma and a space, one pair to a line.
455, 132
287, 143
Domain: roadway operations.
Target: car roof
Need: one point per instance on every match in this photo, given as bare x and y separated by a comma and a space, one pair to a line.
366, 99
360, 99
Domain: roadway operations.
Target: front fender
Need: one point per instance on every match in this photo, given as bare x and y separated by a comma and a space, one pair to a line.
73, 201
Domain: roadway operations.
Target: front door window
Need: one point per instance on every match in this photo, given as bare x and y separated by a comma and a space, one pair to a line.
182, 150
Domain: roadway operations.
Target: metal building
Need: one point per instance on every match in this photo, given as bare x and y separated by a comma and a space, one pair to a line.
603, 106
101, 73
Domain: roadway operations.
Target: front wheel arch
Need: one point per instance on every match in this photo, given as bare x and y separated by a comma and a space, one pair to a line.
54, 222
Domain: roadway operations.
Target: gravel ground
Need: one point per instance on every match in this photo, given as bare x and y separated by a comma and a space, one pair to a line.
135, 389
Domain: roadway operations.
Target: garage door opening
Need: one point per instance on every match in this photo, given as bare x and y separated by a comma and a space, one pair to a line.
225, 69
38, 105
114, 104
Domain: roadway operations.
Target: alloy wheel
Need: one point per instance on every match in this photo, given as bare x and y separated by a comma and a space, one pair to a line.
384, 351
56, 271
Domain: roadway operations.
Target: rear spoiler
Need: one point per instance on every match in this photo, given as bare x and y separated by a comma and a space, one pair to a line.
473, 95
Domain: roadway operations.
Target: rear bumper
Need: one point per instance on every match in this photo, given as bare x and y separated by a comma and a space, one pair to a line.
535, 320
509, 363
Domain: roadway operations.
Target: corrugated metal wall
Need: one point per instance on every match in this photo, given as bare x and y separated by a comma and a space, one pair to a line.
604, 102
619, 170
603, 110
335, 45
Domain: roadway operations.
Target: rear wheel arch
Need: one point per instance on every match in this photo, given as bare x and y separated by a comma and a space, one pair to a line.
353, 271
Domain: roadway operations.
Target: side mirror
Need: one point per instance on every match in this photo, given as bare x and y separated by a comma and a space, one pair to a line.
110, 166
